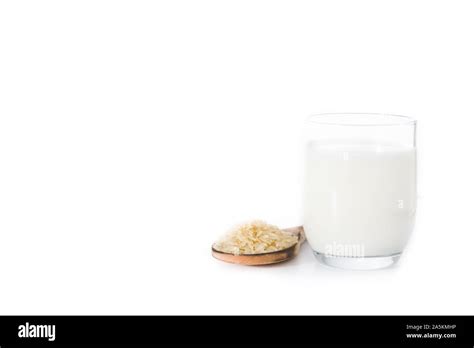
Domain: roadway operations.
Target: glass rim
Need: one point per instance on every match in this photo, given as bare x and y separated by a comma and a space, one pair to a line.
350, 119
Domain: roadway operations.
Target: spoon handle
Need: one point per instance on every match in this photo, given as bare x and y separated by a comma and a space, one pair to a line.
297, 230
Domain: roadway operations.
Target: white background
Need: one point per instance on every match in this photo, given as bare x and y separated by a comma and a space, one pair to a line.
134, 133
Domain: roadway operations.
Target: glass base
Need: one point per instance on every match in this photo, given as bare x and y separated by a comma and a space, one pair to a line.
358, 263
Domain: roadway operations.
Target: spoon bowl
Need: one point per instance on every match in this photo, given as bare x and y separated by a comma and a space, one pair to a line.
265, 258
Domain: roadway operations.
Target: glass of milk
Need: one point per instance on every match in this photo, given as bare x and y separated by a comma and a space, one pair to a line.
359, 188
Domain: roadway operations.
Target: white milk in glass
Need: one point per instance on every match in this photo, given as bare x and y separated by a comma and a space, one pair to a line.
359, 194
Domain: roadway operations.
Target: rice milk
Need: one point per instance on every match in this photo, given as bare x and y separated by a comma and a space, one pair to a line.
359, 194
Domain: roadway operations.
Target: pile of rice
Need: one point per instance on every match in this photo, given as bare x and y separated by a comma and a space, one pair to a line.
255, 237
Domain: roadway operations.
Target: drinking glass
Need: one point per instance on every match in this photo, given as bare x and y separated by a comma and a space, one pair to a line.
359, 188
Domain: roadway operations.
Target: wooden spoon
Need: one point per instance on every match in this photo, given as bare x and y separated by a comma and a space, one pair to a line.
265, 258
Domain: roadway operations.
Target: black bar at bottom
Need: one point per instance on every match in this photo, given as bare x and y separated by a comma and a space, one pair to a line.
224, 330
